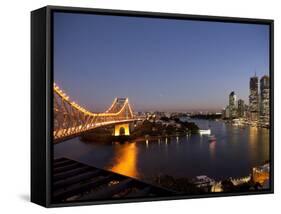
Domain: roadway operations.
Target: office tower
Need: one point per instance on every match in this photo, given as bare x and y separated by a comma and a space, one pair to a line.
264, 98
254, 99
232, 105
241, 108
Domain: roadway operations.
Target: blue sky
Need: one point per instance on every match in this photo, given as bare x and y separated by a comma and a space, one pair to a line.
160, 64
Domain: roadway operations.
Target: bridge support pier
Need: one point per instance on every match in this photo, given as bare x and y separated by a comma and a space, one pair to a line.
122, 129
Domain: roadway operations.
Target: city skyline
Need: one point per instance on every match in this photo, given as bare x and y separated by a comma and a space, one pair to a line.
98, 62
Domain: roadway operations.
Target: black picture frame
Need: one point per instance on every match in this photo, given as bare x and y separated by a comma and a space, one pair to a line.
42, 93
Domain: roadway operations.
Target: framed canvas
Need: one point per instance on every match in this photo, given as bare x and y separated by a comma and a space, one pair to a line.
133, 106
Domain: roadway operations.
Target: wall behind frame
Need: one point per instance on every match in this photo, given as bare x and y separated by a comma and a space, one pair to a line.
15, 97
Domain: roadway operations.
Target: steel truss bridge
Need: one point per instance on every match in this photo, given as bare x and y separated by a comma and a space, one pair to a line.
71, 119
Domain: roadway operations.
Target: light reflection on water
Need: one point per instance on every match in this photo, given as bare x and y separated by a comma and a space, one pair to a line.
125, 159
212, 149
233, 153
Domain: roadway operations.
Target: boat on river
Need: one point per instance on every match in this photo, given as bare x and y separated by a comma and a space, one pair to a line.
212, 138
205, 131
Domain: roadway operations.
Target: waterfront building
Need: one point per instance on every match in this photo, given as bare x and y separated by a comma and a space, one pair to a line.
261, 174
254, 99
232, 105
247, 112
225, 113
264, 99
241, 108
202, 181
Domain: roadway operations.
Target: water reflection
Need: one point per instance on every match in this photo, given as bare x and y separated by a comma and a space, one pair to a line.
125, 159
212, 149
253, 134
146, 143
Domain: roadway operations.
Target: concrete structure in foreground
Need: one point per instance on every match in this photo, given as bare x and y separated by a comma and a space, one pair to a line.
75, 181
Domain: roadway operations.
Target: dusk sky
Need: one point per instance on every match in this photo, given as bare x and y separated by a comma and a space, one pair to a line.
160, 64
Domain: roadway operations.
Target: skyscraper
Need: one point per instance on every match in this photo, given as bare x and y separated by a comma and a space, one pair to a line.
241, 108
232, 105
225, 113
254, 99
264, 98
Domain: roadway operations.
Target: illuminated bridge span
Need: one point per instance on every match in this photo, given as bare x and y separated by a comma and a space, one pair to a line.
71, 120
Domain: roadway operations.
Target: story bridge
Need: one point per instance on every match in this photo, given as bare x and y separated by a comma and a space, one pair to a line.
71, 119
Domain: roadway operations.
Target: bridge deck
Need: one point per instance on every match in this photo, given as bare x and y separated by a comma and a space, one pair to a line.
74, 131
75, 181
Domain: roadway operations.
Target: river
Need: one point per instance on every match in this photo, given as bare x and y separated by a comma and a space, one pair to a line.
233, 154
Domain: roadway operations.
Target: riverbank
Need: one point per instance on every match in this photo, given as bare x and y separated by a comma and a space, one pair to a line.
148, 130
257, 179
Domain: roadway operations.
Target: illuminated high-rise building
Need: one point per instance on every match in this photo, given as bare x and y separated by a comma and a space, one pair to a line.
254, 99
241, 108
225, 112
264, 98
232, 105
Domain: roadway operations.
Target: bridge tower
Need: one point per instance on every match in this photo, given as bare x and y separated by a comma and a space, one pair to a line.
122, 129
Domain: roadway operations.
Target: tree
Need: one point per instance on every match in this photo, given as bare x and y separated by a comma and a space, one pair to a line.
227, 186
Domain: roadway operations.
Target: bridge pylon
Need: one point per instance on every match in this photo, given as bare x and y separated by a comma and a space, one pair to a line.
122, 129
